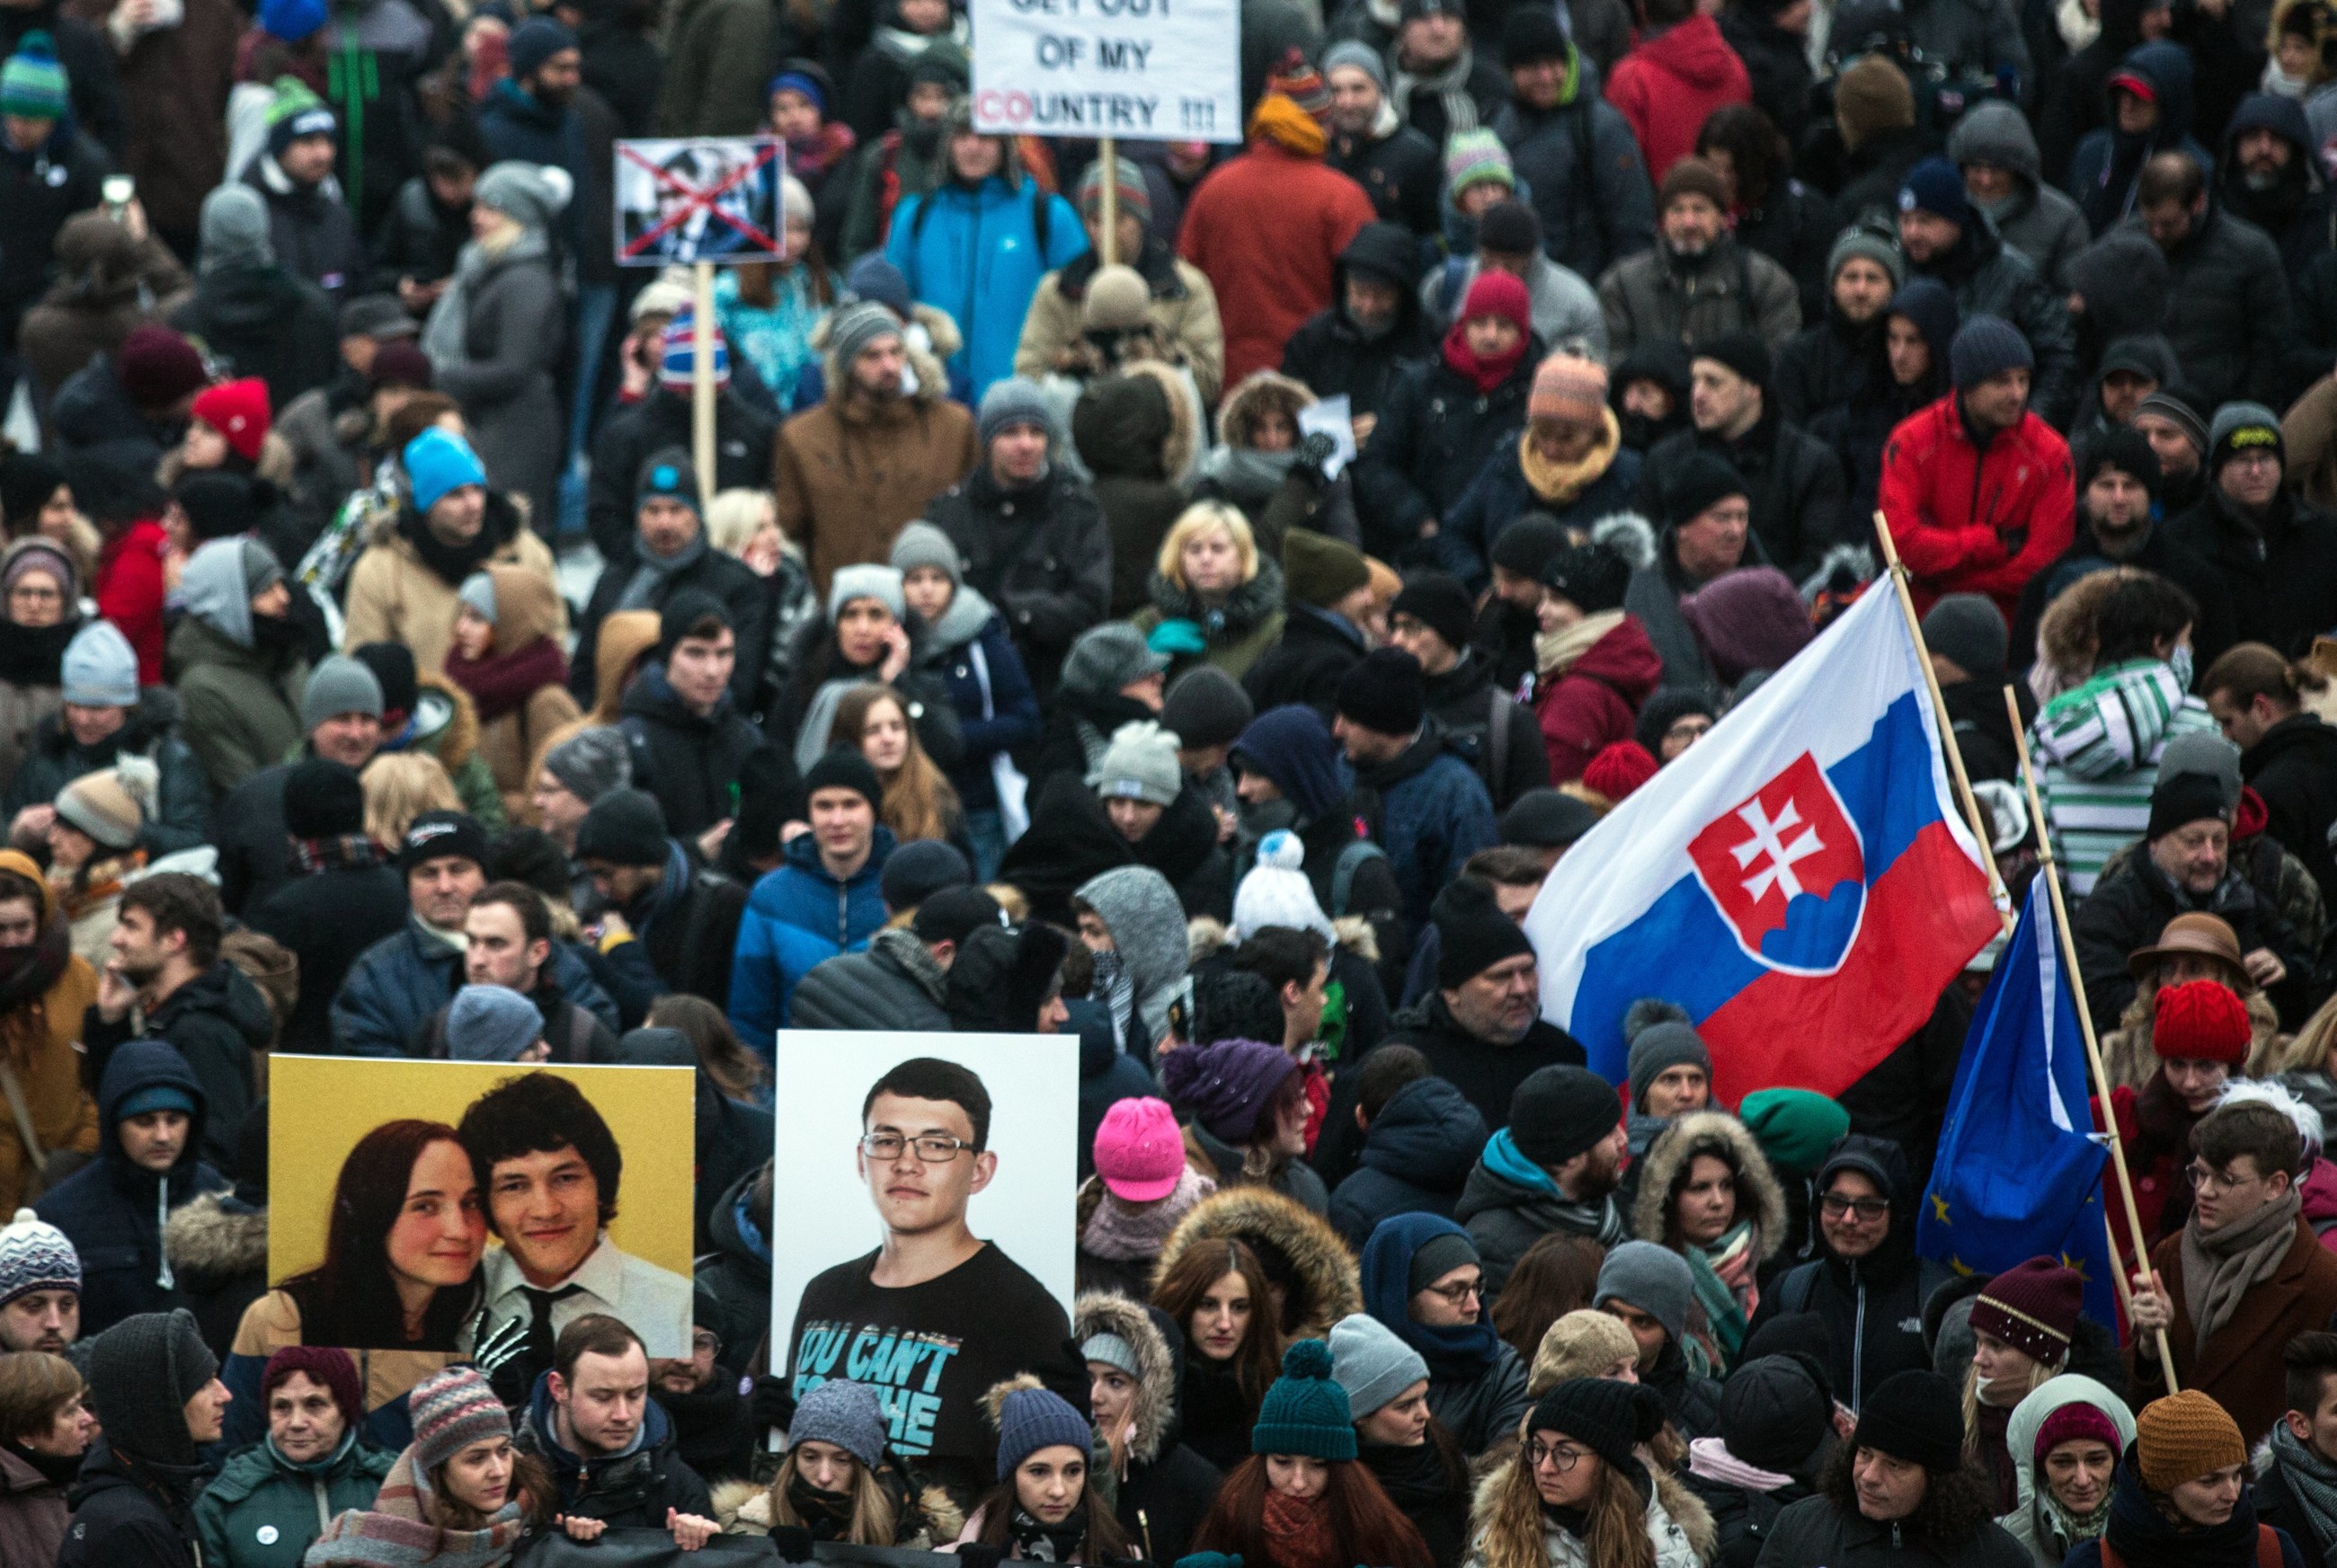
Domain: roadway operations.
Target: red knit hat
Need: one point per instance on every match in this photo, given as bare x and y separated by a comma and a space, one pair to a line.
1619, 769
2033, 1308
157, 367
323, 1364
238, 410
1497, 293
2201, 1020
2078, 1422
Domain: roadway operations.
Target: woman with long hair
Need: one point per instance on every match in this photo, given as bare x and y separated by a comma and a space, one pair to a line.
45, 1430
1576, 1495
1409, 1452
1301, 1499
2022, 1323
1042, 1507
1558, 1275
1164, 1487
40, 611
1214, 598
839, 1482
920, 802
44, 988
402, 1251
1217, 1293
1708, 1195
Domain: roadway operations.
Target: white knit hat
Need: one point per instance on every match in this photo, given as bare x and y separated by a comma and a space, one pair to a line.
1276, 893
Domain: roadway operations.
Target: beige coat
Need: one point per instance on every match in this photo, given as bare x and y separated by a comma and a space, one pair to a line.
1052, 330
527, 609
40, 1042
394, 597
850, 473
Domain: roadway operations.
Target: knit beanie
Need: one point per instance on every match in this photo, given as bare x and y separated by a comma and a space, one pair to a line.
843, 1413
1968, 628
1618, 770
437, 462
1526, 545
1276, 891
33, 84
100, 806
1128, 180
1870, 98
1593, 578
323, 799
1859, 242
1474, 158
1748, 619
519, 191
400, 365
35, 1255
1608, 1418
1569, 390
1320, 571
954, 912
1034, 1419
1118, 301
669, 474
1916, 1415
1303, 85
1494, 292
100, 669
1666, 709
678, 354
2126, 449
238, 410
1371, 1363
1141, 764
1795, 1127
533, 42
1742, 351
2033, 1308
1227, 1086
920, 543
2207, 753
292, 20
450, 1410
1663, 1041
1697, 484
2177, 799
491, 1023
157, 367
1384, 692
1106, 658
1205, 708
1012, 400
233, 229
323, 1365
2079, 1421
338, 685
1305, 1412
917, 871
141, 1372
1546, 819
590, 763
477, 595
439, 835
1692, 177
1776, 1413
843, 767
881, 583
2184, 1437
2239, 426
1472, 934
2200, 1020
1559, 1111
853, 330
1581, 1344
1139, 1154
1531, 34
1655, 1280
625, 827
1437, 1255
1936, 186
2174, 405
295, 114
1987, 345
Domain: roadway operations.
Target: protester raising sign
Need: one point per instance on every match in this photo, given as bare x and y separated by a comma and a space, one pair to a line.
1154, 70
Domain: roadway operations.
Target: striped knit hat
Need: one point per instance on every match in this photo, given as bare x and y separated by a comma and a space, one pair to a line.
1472, 157
451, 1411
35, 1255
678, 352
33, 85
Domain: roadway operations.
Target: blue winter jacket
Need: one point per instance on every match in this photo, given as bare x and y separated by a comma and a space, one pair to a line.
1012, 705
1417, 1156
398, 983
976, 255
1433, 815
798, 916
108, 1208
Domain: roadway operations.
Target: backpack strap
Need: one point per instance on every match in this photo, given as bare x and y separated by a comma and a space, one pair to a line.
1795, 1291
2268, 1552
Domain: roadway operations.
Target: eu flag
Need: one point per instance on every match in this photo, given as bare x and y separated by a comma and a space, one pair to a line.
2018, 1172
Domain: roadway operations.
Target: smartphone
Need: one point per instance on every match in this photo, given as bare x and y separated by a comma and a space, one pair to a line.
117, 191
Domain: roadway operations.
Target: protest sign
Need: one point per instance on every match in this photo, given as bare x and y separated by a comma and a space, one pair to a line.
1151, 70
712, 198
411, 1197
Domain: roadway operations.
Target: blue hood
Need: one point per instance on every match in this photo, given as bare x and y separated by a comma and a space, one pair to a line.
1429, 1135
657, 1429
145, 1065
2166, 66
1293, 746
1386, 1271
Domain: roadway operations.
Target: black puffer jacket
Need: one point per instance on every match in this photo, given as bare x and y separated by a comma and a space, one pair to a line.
1795, 487
1990, 277
1825, 366
1435, 432
1417, 1155
1588, 179
264, 321
1040, 555
2229, 316
744, 440
1400, 172
1332, 355
2293, 768
689, 761
894, 984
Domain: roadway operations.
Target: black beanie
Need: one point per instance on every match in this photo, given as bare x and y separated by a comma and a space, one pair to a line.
1206, 707
843, 768
1917, 1417
435, 835
2184, 797
1559, 1111
1590, 577
1472, 934
1697, 483
1543, 819
2126, 449
1743, 352
1439, 603
218, 503
323, 799
1529, 34
1526, 546
1775, 1413
142, 1373
1608, 1418
1509, 229
1384, 692
684, 610
625, 827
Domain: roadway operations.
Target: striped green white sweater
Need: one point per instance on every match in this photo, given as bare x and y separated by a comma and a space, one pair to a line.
2096, 752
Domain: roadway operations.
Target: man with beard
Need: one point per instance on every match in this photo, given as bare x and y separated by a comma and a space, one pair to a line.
1440, 84
1697, 282
40, 1288
2269, 176
1374, 327
1394, 163
2274, 553
1826, 364
534, 114
2228, 315
1551, 1170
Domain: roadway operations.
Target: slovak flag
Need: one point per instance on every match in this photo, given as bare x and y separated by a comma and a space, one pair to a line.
1799, 881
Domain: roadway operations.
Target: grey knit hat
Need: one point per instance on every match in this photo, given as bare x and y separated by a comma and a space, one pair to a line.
478, 593
491, 1023
1968, 628
591, 762
854, 327
1141, 764
142, 1373
1109, 656
881, 583
1355, 52
1666, 1042
1655, 1280
2209, 755
100, 669
1857, 241
338, 685
920, 543
1371, 1363
844, 1414
233, 230
1112, 1350
1987, 345
519, 191
1010, 402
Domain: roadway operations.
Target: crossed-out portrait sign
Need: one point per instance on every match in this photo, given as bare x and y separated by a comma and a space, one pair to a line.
1148, 70
715, 199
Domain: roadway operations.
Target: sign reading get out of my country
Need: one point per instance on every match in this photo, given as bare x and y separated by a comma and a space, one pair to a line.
1147, 69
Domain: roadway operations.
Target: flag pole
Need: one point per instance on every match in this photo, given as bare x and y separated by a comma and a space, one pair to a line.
2050, 868
1898, 574
2118, 1275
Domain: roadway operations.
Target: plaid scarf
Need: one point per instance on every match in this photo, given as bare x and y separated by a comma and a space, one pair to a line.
343, 852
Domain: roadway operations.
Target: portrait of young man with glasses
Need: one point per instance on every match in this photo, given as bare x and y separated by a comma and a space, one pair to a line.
934, 1315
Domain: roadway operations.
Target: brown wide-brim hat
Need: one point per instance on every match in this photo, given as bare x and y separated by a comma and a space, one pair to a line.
2195, 934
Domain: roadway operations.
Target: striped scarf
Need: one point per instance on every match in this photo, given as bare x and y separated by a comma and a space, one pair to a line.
397, 1532
1726, 1306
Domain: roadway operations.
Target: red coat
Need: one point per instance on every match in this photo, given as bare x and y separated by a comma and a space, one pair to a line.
129, 592
1971, 521
1669, 85
1597, 701
1267, 227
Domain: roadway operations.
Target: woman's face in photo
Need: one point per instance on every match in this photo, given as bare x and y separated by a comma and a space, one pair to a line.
479, 1476
442, 1228
1222, 1318
825, 1466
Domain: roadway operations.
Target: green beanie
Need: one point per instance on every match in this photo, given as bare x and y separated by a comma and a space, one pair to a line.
1305, 1412
33, 85
1795, 1127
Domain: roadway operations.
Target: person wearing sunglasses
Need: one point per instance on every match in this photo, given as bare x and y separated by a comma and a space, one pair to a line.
1423, 1279
1578, 1495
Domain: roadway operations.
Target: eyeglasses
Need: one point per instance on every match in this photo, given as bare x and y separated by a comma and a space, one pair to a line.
933, 1149
1561, 1457
2205, 1180
1456, 1294
1835, 1208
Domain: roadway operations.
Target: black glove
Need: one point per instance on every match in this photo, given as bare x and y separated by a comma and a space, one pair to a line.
772, 1404
792, 1542
1318, 448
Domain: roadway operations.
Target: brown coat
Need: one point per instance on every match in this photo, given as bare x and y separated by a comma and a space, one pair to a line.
849, 473
2241, 1366
174, 87
527, 609
108, 285
48, 1066
32, 1514
394, 597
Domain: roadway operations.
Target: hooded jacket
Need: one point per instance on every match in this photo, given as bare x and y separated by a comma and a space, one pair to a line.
1476, 1381
1331, 354
1582, 162
1595, 701
2228, 318
113, 1210
2298, 209
40, 1032
1759, 1198
2037, 219
1416, 1157
241, 696
1164, 1488
311, 228
2029, 1523
1303, 1256
1137, 434
217, 1021
796, 916
2107, 161
895, 983
1668, 86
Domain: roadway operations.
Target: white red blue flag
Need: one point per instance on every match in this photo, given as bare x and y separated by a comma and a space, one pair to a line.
1799, 881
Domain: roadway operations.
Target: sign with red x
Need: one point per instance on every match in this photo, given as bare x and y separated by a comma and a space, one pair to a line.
711, 199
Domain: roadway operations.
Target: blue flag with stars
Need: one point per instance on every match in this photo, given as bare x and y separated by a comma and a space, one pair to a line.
2018, 1172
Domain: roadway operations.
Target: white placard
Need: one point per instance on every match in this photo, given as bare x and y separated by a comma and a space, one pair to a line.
1335, 417
1142, 70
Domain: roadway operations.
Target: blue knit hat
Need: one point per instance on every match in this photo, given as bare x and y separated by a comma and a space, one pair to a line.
292, 20
33, 85
1305, 1412
436, 462
1034, 1419
491, 1023
1987, 345
845, 1414
1937, 186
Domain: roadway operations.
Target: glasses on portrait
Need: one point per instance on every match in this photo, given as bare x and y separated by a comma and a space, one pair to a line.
932, 1149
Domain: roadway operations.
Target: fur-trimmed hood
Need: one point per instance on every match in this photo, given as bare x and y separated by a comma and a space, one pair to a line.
1248, 607
1260, 393
1208, 936
1153, 1412
445, 723
933, 376
2067, 634
1672, 1495
211, 1238
1299, 1249
1758, 1196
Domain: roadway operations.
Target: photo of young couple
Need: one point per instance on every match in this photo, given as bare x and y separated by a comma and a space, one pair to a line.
488, 1230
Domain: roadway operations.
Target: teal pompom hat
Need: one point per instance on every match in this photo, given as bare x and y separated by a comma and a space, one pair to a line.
1305, 1412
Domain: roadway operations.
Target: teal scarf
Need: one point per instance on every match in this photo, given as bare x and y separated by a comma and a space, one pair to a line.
1723, 1307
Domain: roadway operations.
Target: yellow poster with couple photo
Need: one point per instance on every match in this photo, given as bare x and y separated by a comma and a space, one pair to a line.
430, 1205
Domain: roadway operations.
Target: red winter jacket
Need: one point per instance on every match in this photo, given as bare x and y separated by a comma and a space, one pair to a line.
1597, 701
129, 592
1267, 227
1669, 85
1971, 521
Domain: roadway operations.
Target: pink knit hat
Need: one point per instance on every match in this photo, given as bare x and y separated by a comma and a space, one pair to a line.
1140, 1151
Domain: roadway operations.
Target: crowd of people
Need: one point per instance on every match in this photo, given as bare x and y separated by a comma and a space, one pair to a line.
1200, 637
